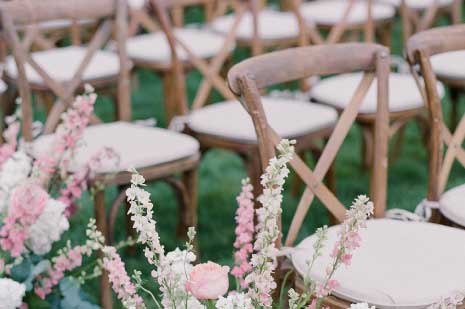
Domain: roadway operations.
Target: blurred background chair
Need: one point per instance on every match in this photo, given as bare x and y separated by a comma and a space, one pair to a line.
445, 145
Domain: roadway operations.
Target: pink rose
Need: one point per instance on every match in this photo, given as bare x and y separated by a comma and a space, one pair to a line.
208, 281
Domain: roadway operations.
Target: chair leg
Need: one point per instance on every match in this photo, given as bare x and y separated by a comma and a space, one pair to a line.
189, 217
297, 183
367, 146
101, 221
252, 163
454, 113
397, 147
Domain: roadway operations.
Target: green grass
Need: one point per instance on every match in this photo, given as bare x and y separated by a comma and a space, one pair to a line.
221, 172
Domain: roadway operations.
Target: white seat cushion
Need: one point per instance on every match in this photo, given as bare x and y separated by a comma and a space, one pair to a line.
338, 90
418, 4
449, 65
290, 118
62, 63
154, 47
137, 146
399, 264
272, 25
330, 12
452, 204
136, 4
62, 23
3, 86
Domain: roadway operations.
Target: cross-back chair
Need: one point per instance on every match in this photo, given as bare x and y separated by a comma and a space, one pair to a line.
393, 266
348, 20
405, 101
225, 124
158, 154
445, 145
197, 48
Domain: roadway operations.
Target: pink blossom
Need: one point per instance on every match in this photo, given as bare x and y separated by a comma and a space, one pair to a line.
27, 203
9, 146
244, 233
122, 285
208, 281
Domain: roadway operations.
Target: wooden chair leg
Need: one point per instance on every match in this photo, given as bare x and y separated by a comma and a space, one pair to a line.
297, 181
101, 221
189, 217
47, 100
397, 147
454, 113
169, 97
252, 163
367, 146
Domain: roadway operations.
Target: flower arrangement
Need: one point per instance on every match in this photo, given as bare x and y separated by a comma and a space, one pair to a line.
185, 285
37, 196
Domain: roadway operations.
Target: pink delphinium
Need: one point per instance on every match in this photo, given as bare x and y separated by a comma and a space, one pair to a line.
77, 182
349, 240
122, 285
26, 205
67, 135
244, 233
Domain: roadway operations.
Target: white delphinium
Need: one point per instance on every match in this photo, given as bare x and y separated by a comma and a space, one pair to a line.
263, 262
171, 270
11, 293
14, 171
48, 227
234, 301
361, 306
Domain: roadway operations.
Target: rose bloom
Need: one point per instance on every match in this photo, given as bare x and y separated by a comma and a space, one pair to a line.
208, 281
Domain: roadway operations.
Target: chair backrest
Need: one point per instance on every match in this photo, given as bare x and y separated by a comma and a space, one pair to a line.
113, 15
414, 20
209, 69
248, 77
420, 47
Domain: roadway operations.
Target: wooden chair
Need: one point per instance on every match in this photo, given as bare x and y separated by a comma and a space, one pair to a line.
445, 145
152, 51
393, 268
158, 154
348, 20
225, 124
405, 101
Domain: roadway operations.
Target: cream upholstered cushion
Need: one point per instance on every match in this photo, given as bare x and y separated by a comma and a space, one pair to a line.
338, 90
62, 63
330, 12
449, 65
399, 264
3, 86
62, 23
137, 146
272, 25
136, 4
290, 118
153, 47
452, 204
418, 4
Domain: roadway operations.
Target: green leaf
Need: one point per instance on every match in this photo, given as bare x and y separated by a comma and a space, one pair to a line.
71, 290
21, 271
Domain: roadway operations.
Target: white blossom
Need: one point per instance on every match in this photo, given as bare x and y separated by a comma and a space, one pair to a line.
48, 227
361, 306
234, 301
14, 171
11, 293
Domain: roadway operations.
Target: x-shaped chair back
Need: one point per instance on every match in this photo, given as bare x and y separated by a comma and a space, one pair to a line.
113, 14
247, 78
420, 48
209, 69
414, 21
336, 33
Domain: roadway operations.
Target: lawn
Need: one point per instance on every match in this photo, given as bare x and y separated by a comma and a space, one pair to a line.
221, 172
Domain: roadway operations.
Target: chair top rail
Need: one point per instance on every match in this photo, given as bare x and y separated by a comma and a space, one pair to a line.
436, 41
33, 11
300, 62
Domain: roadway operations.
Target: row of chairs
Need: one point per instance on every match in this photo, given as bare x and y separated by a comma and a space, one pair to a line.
56, 74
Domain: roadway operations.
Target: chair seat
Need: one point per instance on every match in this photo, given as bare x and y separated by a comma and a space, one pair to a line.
449, 65
418, 4
452, 205
62, 24
330, 12
153, 47
137, 146
136, 4
272, 25
62, 63
399, 264
338, 90
3, 87
290, 118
